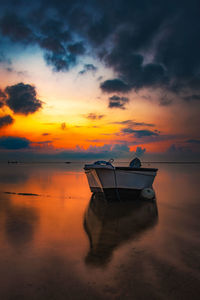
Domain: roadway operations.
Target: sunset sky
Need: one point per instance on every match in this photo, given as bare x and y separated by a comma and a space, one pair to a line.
99, 79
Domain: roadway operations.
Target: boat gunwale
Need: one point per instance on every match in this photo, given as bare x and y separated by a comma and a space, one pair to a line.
122, 169
137, 169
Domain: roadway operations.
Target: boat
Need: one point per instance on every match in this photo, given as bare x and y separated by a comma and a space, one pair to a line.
104, 177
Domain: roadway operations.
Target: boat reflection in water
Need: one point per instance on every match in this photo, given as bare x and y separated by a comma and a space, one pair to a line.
110, 224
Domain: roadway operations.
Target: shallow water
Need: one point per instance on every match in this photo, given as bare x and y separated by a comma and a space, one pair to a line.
59, 243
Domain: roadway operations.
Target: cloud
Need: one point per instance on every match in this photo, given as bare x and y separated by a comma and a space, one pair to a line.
4, 60
93, 116
77, 49
146, 44
131, 67
94, 141
128, 130
16, 29
165, 100
139, 133
121, 148
60, 57
194, 97
193, 141
60, 62
2, 98
6, 120
140, 151
52, 44
143, 133
51, 35
13, 143
42, 143
175, 149
2, 94
99, 79
55, 28
114, 85
60, 51
134, 123
166, 32
45, 133
22, 98
117, 102
105, 151
88, 68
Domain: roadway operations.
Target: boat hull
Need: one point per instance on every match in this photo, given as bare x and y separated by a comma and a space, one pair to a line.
124, 180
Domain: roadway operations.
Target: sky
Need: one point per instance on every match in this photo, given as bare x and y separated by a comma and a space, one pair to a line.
97, 79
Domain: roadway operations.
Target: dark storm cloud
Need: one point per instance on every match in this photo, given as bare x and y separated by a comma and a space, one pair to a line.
2, 95
22, 98
60, 62
114, 85
55, 29
148, 44
168, 32
16, 29
13, 143
58, 56
99, 30
6, 120
88, 68
117, 102
154, 43
55, 38
51, 35
2, 98
93, 116
76, 48
139, 133
52, 44
134, 72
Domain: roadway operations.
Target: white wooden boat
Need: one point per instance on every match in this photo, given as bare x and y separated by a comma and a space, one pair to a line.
104, 177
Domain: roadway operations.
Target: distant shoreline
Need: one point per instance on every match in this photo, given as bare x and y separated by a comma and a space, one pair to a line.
78, 162
171, 162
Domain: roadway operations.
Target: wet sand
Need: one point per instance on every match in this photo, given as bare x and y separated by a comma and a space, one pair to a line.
60, 242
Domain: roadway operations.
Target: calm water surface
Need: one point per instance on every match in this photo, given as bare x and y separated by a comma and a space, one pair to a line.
58, 242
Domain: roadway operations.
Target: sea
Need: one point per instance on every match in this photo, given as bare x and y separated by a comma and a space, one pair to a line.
60, 241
